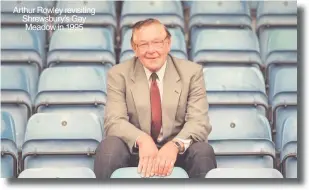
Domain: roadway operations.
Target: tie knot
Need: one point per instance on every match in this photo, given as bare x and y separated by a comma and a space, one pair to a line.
154, 76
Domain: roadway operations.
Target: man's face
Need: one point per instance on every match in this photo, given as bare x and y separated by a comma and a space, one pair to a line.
151, 46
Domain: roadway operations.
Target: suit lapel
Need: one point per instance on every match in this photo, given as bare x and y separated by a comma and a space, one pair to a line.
141, 96
171, 94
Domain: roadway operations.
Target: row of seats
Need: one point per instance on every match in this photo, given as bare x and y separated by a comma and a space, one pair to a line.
275, 47
59, 87
202, 13
67, 140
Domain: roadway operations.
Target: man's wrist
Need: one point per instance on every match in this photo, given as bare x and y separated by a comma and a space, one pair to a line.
179, 145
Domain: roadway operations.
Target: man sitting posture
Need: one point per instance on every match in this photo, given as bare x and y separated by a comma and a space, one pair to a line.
156, 115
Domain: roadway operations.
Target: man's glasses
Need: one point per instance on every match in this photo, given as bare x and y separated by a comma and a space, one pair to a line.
155, 44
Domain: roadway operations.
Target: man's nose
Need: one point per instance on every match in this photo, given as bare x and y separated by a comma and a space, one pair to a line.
150, 49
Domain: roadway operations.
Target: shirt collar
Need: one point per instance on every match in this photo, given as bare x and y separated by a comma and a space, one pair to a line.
160, 72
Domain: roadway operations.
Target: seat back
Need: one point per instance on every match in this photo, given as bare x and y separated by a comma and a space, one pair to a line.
16, 98
279, 47
61, 140
131, 172
96, 13
73, 89
288, 154
220, 14
64, 48
236, 87
14, 12
242, 138
69, 172
243, 173
225, 46
170, 13
8, 146
276, 14
25, 49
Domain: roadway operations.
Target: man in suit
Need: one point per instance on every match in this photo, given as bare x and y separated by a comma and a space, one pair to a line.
156, 115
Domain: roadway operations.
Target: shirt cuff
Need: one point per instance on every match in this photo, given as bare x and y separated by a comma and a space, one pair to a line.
186, 144
135, 144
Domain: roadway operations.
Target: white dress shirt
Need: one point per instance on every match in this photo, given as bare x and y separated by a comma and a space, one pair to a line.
160, 74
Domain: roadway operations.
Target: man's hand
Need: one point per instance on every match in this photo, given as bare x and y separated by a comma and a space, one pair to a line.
166, 159
147, 154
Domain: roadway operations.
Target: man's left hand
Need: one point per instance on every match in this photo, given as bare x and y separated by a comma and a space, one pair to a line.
165, 160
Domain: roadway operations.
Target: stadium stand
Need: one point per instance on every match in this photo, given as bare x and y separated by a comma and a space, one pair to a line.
53, 83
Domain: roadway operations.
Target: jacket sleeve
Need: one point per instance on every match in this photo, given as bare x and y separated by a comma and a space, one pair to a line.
197, 126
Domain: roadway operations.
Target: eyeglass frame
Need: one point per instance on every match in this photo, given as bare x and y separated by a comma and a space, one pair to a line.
148, 43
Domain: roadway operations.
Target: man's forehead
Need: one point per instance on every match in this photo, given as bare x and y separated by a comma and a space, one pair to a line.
150, 32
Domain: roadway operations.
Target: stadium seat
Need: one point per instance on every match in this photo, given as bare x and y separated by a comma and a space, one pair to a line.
8, 147
22, 48
131, 172
274, 14
225, 46
278, 48
253, 4
94, 47
170, 13
288, 156
16, 99
73, 89
241, 138
239, 87
178, 48
11, 12
61, 140
215, 14
97, 14
243, 173
69, 172
282, 98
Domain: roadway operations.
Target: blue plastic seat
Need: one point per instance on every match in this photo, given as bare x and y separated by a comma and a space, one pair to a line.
73, 89
229, 46
12, 13
94, 47
131, 172
271, 14
170, 13
282, 98
24, 49
61, 140
238, 87
209, 14
243, 173
178, 46
69, 172
278, 48
97, 13
288, 156
241, 138
16, 99
8, 147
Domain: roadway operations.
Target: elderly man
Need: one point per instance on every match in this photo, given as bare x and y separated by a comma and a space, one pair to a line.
156, 115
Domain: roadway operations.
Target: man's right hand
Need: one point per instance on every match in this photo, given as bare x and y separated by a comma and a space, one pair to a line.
147, 154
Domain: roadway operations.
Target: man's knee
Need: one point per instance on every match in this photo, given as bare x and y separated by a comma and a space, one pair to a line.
202, 150
111, 154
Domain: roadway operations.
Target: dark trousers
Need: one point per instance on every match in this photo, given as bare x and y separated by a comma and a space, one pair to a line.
113, 153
